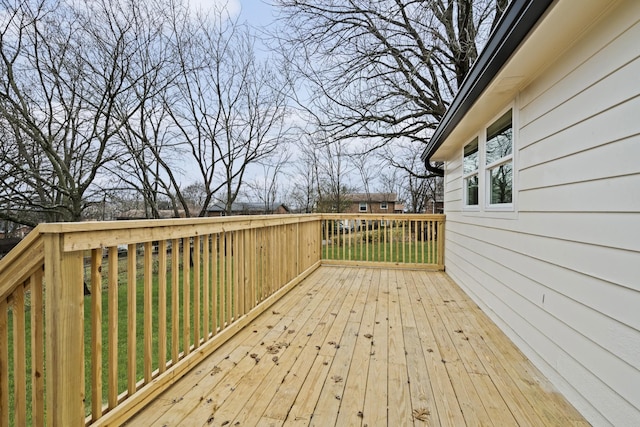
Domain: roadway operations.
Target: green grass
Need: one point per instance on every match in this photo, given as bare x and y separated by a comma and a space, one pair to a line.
379, 246
123, 326
402, 252
123, 323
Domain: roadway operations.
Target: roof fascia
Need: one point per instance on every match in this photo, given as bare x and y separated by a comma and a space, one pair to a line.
514, 26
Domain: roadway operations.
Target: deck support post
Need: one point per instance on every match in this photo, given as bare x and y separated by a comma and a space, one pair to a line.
64, 333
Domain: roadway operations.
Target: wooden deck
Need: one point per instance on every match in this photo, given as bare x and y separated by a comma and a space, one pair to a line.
365, 347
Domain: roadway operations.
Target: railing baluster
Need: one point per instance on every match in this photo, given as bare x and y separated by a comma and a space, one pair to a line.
392, 249
215, 305
19, 358
175, 301
206, 286
235, 273
196, 292
186, 296
227, 279
255, 267
112, 297
431, 241
440, 237
131, 317
241, 263
4, 363
148, 312
162, 306
222, 304
403, 240
248, 254
96, 333
422, 242
280, 250
37, 349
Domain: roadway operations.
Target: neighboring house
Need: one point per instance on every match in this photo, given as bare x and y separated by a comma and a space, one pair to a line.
541, 152
246, 208
373, 203
434, 206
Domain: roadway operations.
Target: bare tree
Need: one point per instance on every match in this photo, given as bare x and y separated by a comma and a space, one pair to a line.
409, 177
149, 164
65, 97
304, 192
334, 169
228, 109
366, 166
266, 186
383, 69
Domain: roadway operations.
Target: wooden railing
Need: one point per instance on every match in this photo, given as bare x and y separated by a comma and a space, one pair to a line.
370, 239
163, 295
21, 273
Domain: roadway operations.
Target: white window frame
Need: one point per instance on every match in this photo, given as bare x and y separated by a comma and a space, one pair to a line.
489, 167
384, 206
484, 206
468, 175
362, 207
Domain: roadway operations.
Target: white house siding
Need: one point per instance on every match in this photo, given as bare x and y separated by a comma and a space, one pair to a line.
562, 275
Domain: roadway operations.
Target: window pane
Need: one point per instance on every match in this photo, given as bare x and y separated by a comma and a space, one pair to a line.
501, 182
470, 161
499, 139
471, 184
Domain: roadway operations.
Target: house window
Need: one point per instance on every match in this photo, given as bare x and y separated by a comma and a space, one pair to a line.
499, 161
363, 206
470, 164
383, 206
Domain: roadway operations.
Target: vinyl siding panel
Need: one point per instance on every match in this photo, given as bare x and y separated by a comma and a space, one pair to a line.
599, 54
561, 274
564, 321
611, 125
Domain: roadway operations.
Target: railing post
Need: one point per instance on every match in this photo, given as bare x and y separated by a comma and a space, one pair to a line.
441, 244
64, 333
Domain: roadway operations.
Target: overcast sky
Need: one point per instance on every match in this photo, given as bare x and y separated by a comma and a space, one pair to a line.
256, 12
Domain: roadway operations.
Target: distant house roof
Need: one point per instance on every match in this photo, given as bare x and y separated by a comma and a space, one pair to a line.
248, 207
372, 197
514, 26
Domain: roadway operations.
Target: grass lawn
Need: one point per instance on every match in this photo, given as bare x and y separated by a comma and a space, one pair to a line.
123, 327
389, 252
375, 246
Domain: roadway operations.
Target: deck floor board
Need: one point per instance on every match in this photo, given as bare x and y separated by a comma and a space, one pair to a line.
370, 347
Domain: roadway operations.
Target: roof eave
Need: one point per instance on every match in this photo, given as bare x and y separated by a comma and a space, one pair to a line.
514, 26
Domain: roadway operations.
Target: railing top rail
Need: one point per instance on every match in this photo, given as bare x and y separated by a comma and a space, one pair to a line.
377, 216
255, 220
94, 235
21, 261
